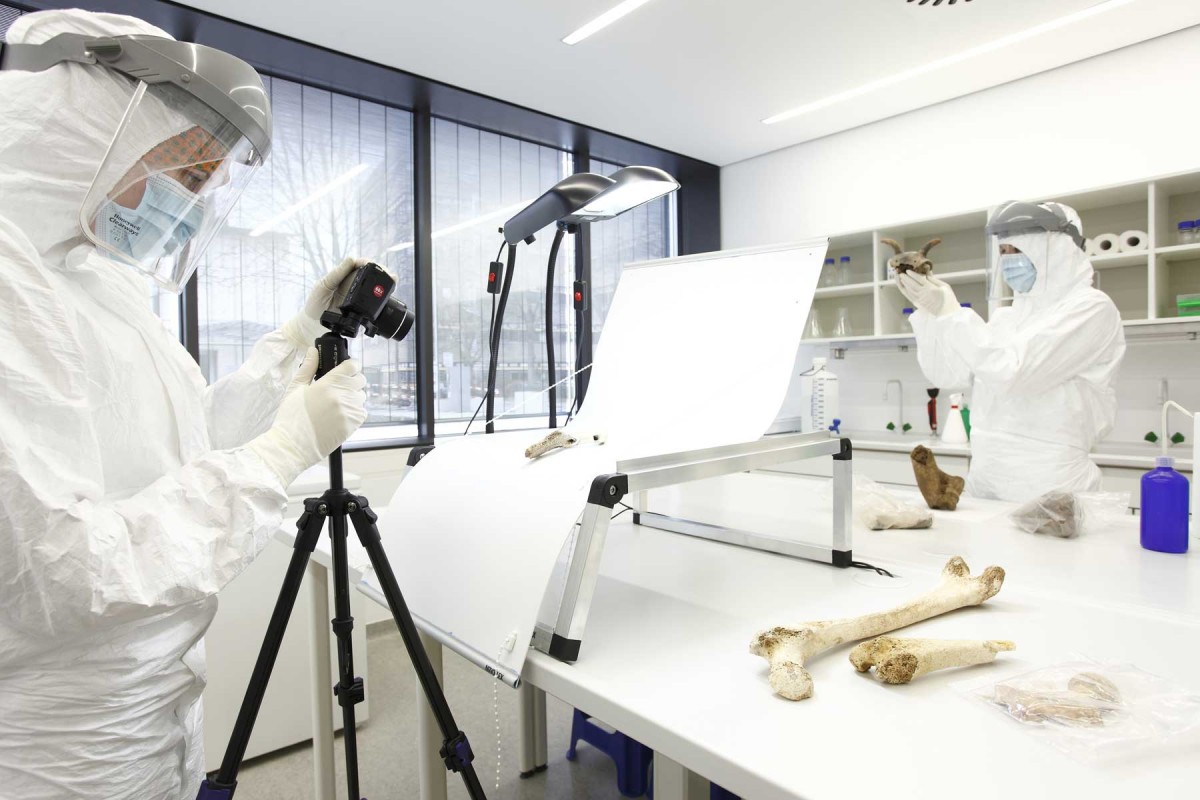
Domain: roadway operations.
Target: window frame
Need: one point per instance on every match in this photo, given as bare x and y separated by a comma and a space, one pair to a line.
696, 208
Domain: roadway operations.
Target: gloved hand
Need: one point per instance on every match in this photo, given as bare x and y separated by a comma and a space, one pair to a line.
304, 328
927, 293
314, 418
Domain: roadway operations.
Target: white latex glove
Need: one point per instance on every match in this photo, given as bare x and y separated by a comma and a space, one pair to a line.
314, 418
304, 328
927, 293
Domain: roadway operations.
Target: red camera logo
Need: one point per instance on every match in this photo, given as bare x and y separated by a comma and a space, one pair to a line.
378, 290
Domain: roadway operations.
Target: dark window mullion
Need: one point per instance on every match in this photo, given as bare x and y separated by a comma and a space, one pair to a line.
423, 268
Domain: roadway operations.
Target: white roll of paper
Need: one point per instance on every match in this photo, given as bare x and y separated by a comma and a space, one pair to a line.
1107, 244
1089, 246
1134, 241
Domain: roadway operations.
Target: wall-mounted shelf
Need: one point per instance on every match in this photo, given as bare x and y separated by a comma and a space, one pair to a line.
844, 291
1179, 252
1145, 285
1174, 327
1117, 260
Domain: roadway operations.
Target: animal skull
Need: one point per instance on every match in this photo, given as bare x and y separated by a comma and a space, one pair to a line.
789, 649
915, 260
900, 660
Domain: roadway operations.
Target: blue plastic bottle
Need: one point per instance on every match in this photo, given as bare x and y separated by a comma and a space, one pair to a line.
1165, 508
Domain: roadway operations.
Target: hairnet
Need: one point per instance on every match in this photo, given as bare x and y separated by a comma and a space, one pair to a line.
57, 126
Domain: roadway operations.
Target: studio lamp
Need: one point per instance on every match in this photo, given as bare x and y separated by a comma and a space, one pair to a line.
577, 199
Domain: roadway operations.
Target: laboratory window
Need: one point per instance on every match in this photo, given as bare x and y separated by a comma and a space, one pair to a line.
480, 179
338, 183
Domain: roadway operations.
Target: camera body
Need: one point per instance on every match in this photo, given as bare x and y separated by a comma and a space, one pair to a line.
364, 301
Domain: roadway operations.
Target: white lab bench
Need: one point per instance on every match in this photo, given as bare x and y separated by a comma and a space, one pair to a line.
665, 656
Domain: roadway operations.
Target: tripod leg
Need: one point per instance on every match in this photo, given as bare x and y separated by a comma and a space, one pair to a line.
349, 688
456, 750
309, 526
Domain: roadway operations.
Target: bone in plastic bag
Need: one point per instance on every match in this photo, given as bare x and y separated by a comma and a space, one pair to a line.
1095, 711
1067, 514
879, 510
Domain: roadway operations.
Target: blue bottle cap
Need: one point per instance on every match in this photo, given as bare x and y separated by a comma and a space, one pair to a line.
845, 259
831, 261
907, 311
1187, 224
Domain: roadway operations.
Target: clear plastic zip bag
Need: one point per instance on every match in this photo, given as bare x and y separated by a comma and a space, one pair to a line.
1095, 711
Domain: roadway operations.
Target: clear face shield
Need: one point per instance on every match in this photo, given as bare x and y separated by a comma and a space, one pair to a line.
1019, 236
174, 170
1018, 265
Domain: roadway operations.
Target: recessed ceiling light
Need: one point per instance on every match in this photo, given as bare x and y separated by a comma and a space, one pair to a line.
937, 2
604, 20
957, 58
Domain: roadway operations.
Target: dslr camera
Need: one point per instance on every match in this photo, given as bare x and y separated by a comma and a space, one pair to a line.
364, 301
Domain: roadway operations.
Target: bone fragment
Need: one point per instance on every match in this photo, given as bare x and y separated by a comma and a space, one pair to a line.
559, 440
904, 516
940, 490
1067, 708
551, 441
789, 649
900, 660
1097, 686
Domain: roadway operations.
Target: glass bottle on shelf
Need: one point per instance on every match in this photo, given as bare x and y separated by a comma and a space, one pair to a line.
841, 325
844, 278
827, 276
1187, 232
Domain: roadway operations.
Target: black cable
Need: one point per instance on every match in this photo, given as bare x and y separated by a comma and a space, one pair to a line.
575, 399
497, 327
491, 322
558, 237
865, 565
624, 508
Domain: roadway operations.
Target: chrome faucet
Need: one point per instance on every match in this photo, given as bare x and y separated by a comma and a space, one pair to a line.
900, 402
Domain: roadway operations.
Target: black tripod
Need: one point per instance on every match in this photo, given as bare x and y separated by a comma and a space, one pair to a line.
336, 505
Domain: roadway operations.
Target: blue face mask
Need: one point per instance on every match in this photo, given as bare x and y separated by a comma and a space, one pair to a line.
166, 218
1019, 272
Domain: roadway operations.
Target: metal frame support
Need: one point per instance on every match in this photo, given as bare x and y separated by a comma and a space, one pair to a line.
559, 631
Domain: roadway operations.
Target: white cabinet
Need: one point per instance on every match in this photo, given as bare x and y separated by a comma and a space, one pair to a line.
861, 305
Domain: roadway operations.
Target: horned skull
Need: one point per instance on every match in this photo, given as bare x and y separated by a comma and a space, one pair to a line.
915, 260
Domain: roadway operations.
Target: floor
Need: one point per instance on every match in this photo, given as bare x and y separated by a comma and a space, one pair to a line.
388, 750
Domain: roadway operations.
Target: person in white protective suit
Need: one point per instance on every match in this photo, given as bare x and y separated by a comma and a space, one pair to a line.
1041, 370
130, 492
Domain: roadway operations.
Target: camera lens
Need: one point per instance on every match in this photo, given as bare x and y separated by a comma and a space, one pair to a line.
395, 320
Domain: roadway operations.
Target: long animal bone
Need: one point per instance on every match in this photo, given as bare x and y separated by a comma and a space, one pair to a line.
789, 649
900, 660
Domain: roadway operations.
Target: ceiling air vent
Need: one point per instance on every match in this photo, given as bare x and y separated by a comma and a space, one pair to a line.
937, 2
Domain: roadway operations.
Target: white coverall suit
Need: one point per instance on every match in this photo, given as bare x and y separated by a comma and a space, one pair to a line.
127, 499
1041, 374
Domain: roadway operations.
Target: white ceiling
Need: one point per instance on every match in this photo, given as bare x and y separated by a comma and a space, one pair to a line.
698, 76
